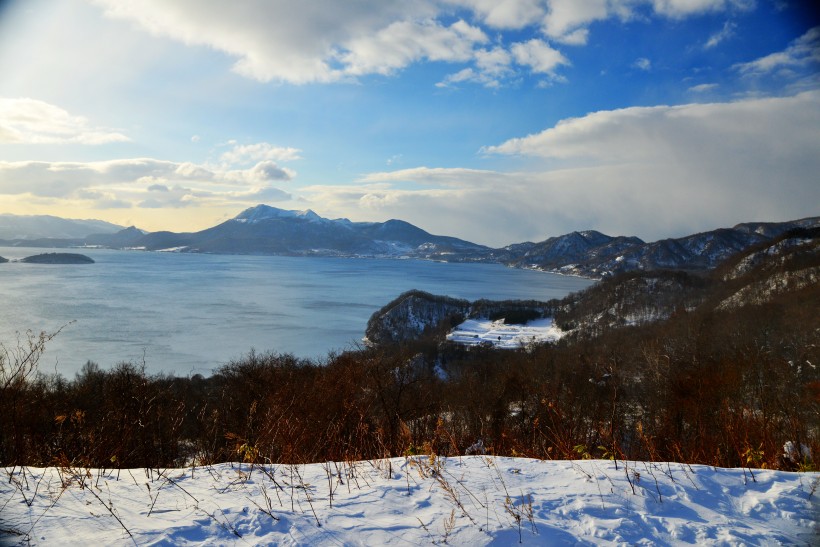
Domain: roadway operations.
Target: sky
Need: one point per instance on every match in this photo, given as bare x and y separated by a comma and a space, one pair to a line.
497, 121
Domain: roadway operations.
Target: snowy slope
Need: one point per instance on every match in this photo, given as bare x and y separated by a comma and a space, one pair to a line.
474, 500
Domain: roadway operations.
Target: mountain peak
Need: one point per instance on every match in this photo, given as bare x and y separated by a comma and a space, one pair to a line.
266, 212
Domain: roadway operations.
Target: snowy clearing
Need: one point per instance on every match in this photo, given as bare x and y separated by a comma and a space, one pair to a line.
475, 500
484, 331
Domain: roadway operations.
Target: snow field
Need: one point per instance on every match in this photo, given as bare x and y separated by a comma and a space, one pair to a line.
484, 331
473, 500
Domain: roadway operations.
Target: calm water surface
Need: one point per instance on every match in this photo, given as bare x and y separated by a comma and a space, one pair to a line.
190, 313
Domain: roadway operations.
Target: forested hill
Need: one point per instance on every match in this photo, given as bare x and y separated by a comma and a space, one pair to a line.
772, 271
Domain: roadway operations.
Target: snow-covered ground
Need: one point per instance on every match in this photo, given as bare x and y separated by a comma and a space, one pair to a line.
483, 331
473, 500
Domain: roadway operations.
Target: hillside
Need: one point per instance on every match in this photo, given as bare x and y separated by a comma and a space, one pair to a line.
780, 268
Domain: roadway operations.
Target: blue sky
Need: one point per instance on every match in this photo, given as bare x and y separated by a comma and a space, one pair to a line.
497, 121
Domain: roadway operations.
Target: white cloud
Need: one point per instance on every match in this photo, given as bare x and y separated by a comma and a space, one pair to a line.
465, 75
175, 197
702, 88
426, 175
725, 33
404, 42
804, 51
566, 17
682, 8
263, 171
765, 127
643, 63
330, 41
495, 66
505, 14
282, 40
241, 154
30, 121
539, 56
492, 66
567, 20
493, 62
577, 37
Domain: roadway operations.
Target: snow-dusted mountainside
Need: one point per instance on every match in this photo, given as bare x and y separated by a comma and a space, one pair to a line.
571, 248
596, 255
789, 265
785, 267
46, 226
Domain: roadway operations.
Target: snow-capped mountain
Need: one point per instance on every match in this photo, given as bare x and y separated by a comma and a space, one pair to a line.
267, 230
261, 213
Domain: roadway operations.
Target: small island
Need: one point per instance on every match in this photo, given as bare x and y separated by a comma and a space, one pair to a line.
3, 259
58, 258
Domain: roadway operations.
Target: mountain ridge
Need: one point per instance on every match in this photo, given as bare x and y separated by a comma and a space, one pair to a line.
264, 229
32, 227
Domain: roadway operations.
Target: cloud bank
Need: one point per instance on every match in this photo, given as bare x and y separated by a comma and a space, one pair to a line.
648, 171
30, 121
144, 183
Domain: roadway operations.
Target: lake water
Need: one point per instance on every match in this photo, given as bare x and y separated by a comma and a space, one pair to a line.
190, 313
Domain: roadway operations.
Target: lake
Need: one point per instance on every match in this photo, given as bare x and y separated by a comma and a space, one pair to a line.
190, 313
